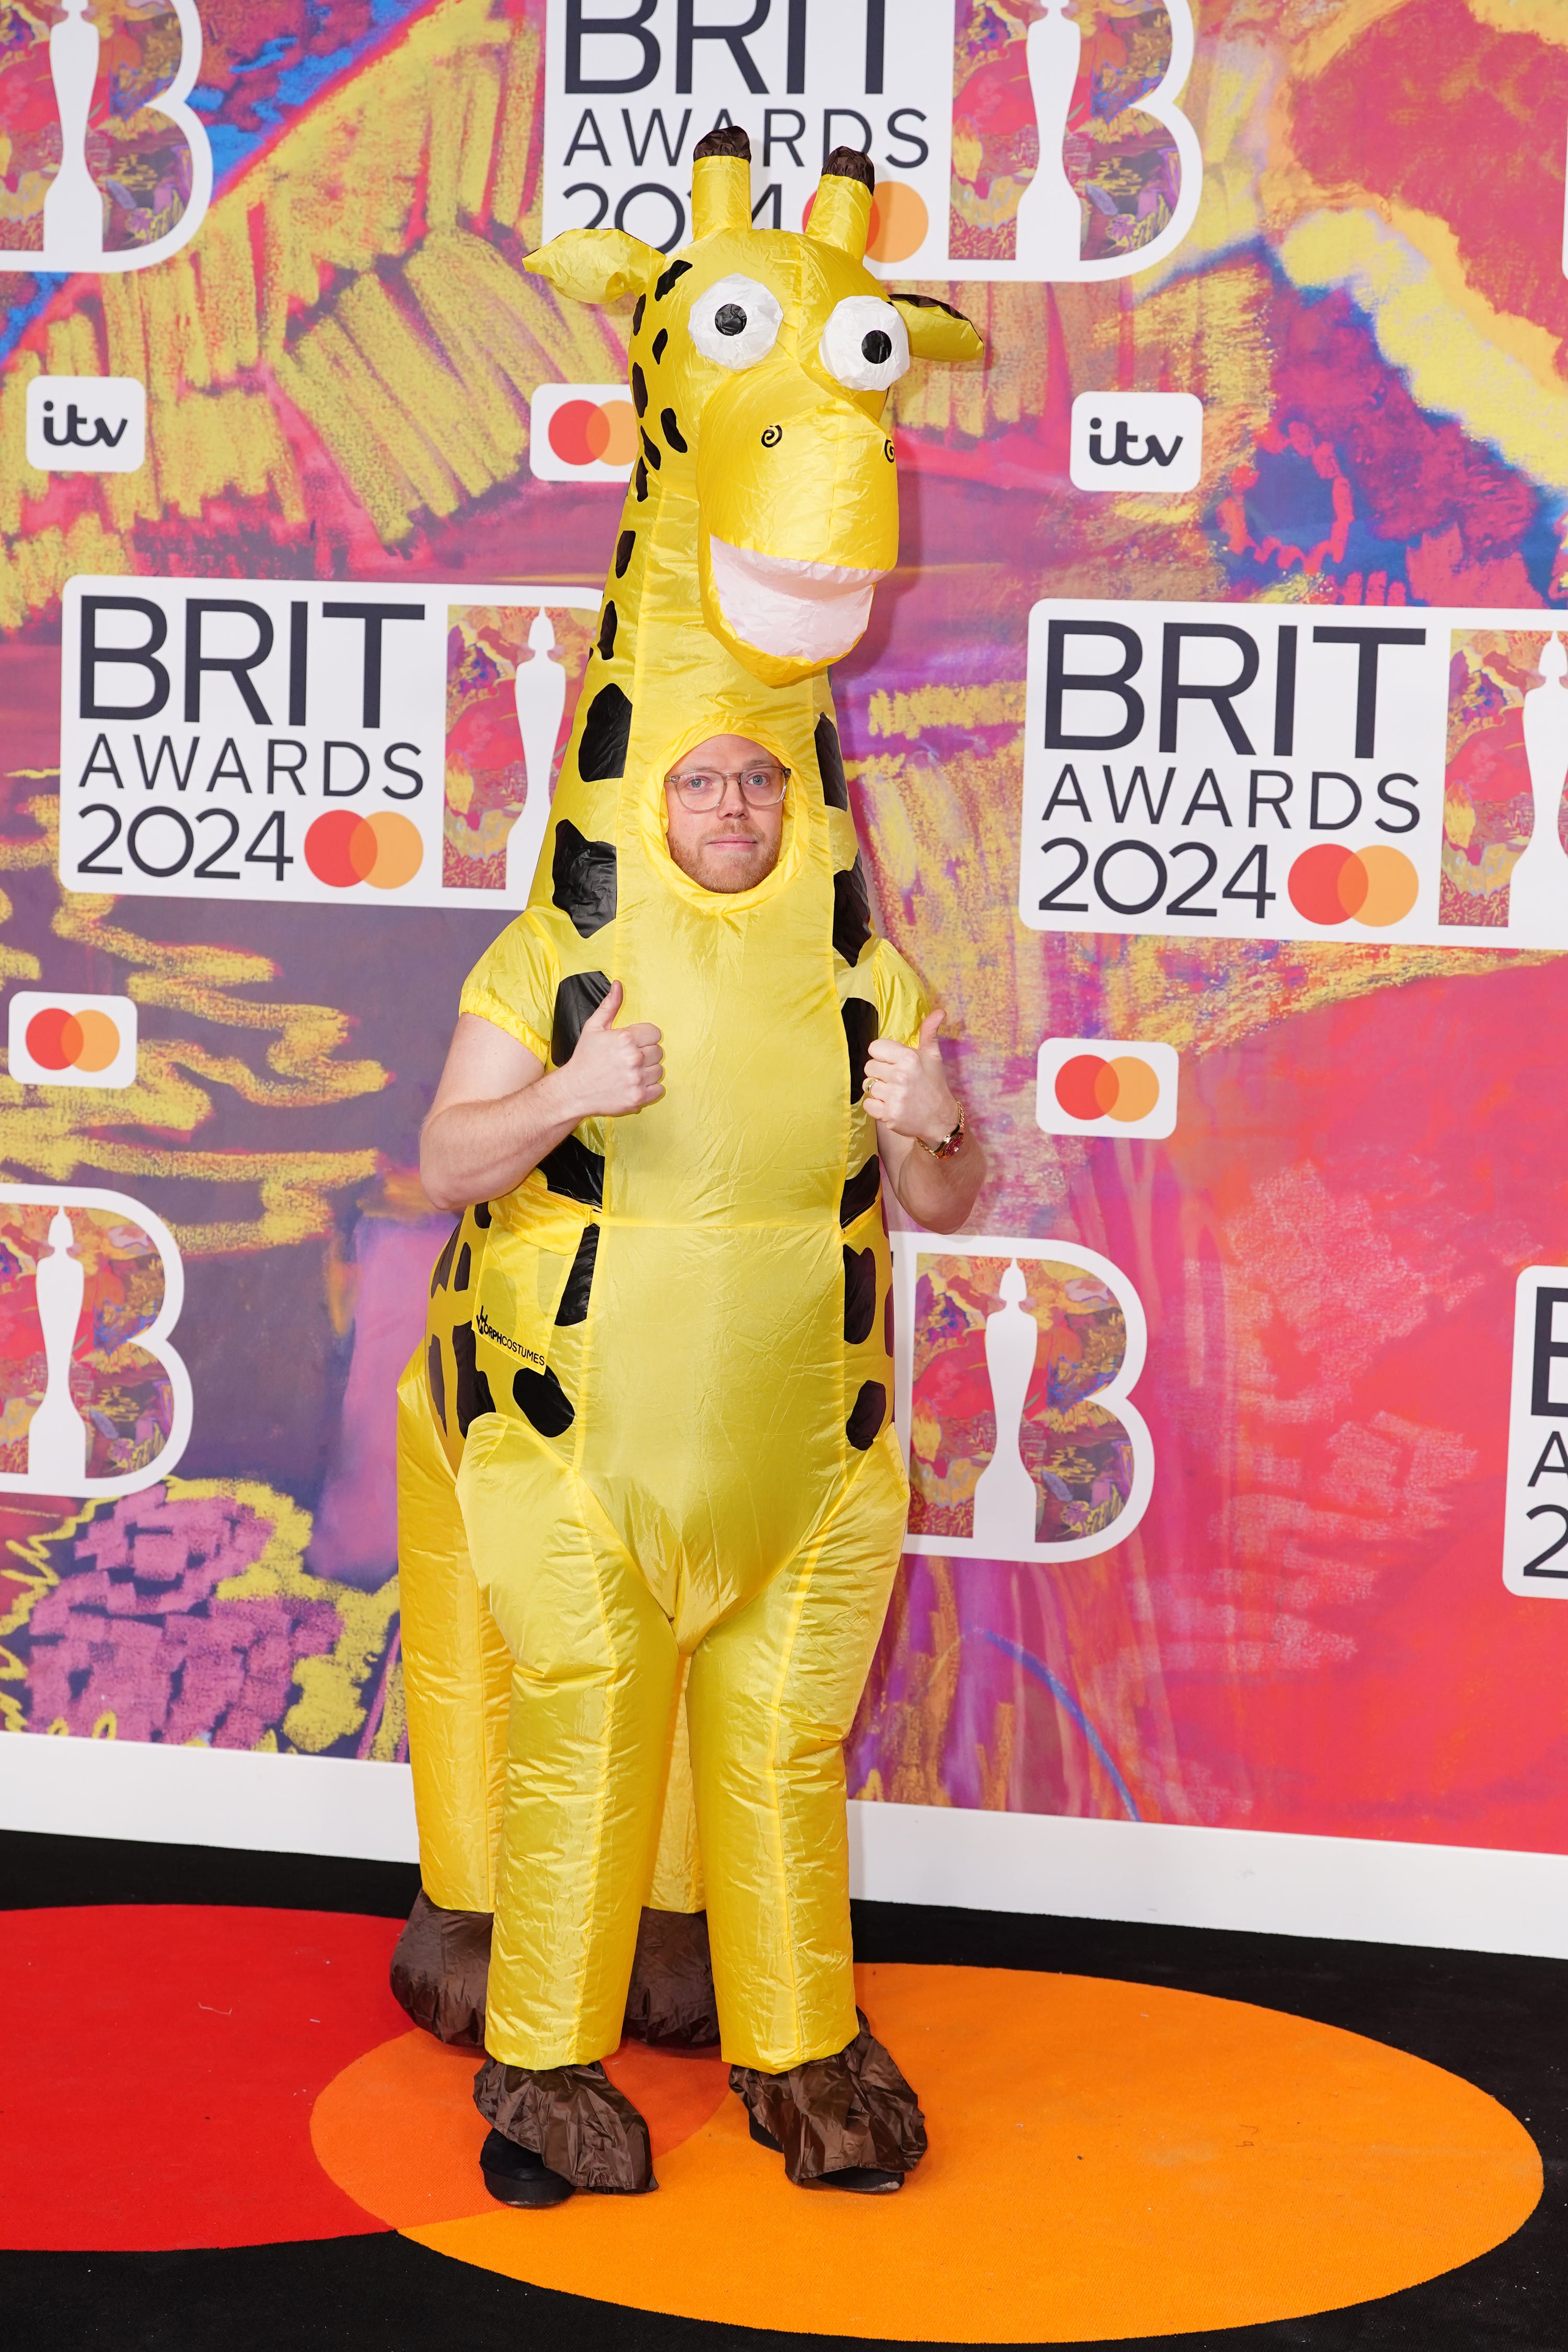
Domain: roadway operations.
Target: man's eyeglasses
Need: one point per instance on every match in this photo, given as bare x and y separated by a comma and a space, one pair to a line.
764, 787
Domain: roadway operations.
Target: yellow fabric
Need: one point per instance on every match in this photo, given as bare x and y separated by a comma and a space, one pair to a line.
456, 1669
677, 1396
936, 332
720, 196
677, 1884
772, 1694
841, 216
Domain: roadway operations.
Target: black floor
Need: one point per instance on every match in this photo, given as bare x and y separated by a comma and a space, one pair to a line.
1499, 2022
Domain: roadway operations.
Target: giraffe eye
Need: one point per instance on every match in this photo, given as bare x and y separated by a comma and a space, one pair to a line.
735, 322
865, 344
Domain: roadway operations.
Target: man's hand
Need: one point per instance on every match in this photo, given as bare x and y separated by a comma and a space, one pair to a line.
614, 1072
912, 1104
906, 1091
497, 1111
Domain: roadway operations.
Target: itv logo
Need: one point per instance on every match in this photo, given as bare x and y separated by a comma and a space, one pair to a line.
87, 424
1139, 441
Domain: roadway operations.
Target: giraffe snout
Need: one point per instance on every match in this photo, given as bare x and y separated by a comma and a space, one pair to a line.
799, 511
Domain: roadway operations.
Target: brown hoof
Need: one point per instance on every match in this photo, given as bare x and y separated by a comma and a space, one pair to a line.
670, 2001
439, 1971
574, 2119
848, 2122
859, 2179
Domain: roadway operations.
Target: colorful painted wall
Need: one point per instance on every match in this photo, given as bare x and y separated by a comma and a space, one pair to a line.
1308, 1628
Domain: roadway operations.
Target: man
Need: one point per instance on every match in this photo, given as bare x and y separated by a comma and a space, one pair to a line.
497, 1111
628, 1528
651, 1499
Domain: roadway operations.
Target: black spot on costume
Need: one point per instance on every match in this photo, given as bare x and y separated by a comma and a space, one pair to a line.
860, 1027
602, 752
859, 1295
830, 764
578, 997
582, 875
865, 1422
851, 912
574, 1307
541, 1396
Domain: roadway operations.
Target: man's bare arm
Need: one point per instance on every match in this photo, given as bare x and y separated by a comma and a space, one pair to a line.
908, 1095
498, 1111
937, 1193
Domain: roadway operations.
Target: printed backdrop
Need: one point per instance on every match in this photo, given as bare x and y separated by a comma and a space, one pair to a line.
1308, 1629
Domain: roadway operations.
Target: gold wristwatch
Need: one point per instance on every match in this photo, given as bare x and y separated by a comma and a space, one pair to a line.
949, 1144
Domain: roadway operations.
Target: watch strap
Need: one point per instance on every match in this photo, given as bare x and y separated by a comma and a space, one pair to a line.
949, 1144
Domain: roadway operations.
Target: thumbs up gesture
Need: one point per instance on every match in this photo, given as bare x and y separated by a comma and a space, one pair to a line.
905, 1087
614, 1072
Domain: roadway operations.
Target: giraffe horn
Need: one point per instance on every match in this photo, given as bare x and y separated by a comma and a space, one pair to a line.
841, 208
721, 182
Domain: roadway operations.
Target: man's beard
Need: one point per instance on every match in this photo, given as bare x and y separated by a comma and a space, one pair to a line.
726, 872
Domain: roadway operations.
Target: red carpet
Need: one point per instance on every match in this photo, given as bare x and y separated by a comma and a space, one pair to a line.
219, 2133
161, 2068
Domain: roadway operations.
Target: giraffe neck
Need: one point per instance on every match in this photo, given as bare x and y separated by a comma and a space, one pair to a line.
651, 624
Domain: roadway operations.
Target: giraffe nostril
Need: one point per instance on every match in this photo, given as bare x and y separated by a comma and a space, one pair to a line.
730, 319
877, 346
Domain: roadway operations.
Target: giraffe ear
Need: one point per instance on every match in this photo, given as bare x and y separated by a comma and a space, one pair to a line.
841, 208
595, 265
937, 332
722, 181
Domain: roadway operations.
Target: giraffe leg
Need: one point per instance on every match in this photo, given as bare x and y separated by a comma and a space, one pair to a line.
457, 1683
593, 1712
772, 1692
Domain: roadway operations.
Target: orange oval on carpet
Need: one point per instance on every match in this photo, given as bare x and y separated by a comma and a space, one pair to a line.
401, 2124
1106, 2159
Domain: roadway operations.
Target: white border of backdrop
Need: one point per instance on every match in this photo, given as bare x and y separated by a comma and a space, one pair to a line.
1369, 1890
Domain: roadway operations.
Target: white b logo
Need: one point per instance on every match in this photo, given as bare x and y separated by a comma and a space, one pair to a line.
91, 218
1013, 1367
104, 1405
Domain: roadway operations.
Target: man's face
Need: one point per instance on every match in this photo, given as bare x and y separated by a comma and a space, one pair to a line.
729, 841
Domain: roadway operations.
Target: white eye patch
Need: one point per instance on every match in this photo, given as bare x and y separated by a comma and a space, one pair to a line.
865, 344
735, 322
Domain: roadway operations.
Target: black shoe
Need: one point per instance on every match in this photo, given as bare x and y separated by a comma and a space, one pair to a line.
859, 2179
516, 2176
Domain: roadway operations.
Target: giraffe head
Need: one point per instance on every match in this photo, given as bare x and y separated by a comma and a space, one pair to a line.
760, 364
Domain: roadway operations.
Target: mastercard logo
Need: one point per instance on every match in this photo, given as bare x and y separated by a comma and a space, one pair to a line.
586, 433
582, 433
73, 1041
1329, 884
384, 850
1125, 1090
1103, 1086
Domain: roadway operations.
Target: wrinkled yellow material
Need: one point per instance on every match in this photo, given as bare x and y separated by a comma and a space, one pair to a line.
660, 1368
773, 1690
456, 1669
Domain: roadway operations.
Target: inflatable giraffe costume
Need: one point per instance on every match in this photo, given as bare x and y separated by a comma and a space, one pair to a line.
654, 1406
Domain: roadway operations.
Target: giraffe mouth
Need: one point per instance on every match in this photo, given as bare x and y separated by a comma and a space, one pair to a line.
791, 610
